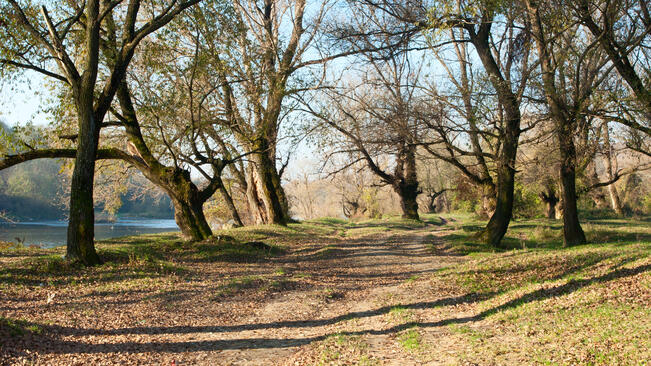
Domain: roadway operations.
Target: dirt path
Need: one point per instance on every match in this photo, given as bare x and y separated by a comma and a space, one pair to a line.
337, 301
365, 279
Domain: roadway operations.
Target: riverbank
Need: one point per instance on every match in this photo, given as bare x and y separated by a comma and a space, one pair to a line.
332, 292
52, 233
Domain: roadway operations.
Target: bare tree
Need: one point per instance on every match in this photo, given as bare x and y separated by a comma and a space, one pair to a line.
571, 73
622, 28
374, 118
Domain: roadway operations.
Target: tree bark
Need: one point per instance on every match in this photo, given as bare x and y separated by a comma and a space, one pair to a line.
408, 192
257, 210
431, 204
572, 232
499, 221
488, 199
187, 199
405, 182
80, 242
268, 190
550, 199
188, 214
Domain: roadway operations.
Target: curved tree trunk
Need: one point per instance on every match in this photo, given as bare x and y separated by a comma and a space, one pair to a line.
190, 219
187, 200
499, 221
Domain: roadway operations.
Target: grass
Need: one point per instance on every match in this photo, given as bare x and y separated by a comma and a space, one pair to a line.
128, 261
546, 304
343, 349
532, 302
410, 339
18, 327
536, 302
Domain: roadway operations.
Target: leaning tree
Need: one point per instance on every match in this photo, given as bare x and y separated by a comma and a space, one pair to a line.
65, 46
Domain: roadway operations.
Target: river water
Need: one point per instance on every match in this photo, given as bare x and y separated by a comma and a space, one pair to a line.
50, 234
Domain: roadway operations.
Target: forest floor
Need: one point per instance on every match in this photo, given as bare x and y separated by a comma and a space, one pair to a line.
332, 292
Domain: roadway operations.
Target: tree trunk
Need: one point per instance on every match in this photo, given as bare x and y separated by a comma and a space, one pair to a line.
550, 211
431, 203
255, 204
188, 203
550, 199
81, 224
190, 219
406, 182
268, 190
499, 221
187, 200
572, 232
488, 200
616, 203
597, 194
408, 194
235, 216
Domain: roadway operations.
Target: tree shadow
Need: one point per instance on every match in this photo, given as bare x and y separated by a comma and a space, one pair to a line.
49, 341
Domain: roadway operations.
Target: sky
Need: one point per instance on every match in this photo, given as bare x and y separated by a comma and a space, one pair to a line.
22, 102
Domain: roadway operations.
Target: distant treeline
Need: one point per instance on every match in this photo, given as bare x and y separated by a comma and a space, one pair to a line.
36, 191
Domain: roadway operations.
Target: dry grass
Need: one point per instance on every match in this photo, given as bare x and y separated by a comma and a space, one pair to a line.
334, 292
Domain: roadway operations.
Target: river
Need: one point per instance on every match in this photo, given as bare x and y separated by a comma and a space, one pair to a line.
50, 234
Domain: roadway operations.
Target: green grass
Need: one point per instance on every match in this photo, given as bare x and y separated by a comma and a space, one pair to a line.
536, 302
400, 314
552, 305
135, 258
18, 327
410, 339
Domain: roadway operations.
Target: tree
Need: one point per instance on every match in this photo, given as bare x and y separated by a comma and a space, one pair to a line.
476, 21
572, 70
68, 50
260, 66
622, 28
179, 125
374, 117
254, 68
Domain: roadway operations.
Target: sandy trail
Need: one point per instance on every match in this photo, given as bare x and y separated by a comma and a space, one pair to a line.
345, 288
